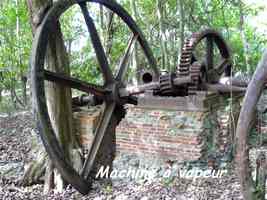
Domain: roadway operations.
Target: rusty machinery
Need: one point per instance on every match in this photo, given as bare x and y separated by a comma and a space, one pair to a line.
193, 74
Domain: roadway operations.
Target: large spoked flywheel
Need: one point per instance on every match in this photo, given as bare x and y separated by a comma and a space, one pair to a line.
108, 93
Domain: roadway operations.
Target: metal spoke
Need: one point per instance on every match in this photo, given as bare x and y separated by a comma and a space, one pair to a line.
74, 83
100, 132
209, 55
123, 66
99, 50
220, 68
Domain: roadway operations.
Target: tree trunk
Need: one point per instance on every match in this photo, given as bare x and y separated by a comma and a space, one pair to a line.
1, 86
101, 13
135, 61
243, 37
109, 33
58, 97
163, 39
13, 97
24, 89
180, 4
22, 77
70, 41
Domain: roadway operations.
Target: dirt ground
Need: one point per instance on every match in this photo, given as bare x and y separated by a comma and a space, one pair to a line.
16, 134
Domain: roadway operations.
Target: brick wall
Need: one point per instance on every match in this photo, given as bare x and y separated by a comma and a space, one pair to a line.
85, 122
169, 134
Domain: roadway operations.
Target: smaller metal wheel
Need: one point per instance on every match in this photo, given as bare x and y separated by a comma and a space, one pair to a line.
210, 45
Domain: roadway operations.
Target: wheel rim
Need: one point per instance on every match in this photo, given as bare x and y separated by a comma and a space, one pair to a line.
245, 120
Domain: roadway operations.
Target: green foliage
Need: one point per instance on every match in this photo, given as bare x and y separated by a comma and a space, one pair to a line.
108, 189
6, 106
15, 41
15, 37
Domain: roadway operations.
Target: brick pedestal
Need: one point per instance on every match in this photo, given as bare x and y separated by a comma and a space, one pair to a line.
180, 128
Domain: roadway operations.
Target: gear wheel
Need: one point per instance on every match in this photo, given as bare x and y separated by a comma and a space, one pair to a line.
166, 84
195, 73
185, 60
186, 67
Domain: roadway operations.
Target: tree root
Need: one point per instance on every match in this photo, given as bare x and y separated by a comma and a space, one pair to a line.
34, 171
